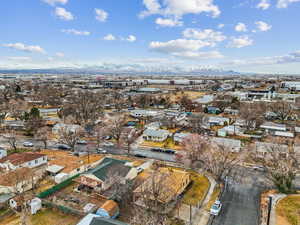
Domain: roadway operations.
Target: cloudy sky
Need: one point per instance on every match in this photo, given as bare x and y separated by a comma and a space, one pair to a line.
243, 35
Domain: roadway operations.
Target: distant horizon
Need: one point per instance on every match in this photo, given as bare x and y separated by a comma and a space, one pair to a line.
249, 36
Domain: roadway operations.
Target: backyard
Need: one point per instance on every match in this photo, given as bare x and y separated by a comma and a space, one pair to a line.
45, 216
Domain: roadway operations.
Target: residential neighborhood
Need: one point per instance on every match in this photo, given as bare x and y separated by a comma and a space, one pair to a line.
151, 152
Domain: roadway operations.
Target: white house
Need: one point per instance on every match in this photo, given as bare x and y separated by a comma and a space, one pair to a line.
19, 180
218, 120
25, 159
179, 137
231, 144
263, 148
69, 127
270, 126
3, 153
156, 135
138, 113
230, 130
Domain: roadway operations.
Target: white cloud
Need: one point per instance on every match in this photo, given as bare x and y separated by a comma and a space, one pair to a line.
25, 48
54, 2
131, 38
262, 26
199, 55
76, 32
240, 42
184, 48
263, 4
63, 14
179, 8
168, 22
293, 57
208, 35
241, 27
19, 58
285, 3
221, 25
109, 37
178, 45
101, 15
59, 54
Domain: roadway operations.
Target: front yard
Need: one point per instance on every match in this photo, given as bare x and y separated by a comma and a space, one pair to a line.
168, 144
45, 216
197, 190
288, 211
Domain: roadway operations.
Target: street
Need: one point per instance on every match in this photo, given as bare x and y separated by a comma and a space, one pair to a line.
241, 199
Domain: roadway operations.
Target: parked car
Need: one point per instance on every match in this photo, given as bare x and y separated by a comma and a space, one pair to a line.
216, 208
81, 142
170, 151
259, 168
139, 169
140, 156
101, 150
63, 147
107, 137
108, 144
156, 150
27, 144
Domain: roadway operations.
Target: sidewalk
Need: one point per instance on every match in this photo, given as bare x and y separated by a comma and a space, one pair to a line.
275, 199
202, 217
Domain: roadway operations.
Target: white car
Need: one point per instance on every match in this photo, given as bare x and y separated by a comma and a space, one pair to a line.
108, 144
259, 168
81, 142
27, 144
139, 169
101, 150
216, 208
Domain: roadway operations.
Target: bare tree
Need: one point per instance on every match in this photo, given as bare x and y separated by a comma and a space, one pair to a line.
128, 137
282, 109
11, 138
116, 125
220, 161
20, 181
43, 135
195, 146
281, 166
17, 109
252, 114
100, 132
150, 196
215, 158
84, 106
196, 123
70, 137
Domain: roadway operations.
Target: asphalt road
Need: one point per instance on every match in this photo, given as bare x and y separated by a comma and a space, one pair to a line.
241, 199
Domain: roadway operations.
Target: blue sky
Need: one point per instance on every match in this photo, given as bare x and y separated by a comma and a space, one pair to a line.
150, 35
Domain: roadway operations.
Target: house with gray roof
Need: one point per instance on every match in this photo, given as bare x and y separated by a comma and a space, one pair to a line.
157, 135
232, 145
93, 219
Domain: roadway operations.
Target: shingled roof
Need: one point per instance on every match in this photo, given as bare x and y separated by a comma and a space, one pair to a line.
110, 164
20, 158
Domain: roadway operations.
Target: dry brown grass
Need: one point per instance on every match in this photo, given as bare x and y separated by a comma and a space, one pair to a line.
288, 210
197, 191
44, 217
